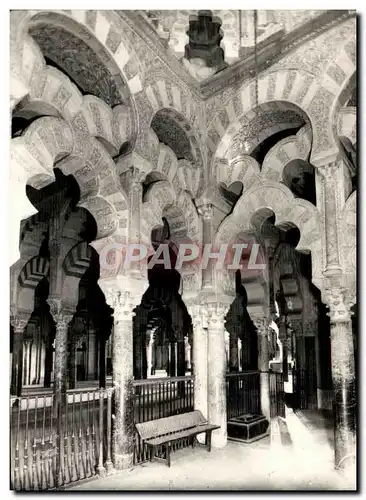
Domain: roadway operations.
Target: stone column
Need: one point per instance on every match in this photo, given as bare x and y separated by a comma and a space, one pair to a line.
329, 174
123, 296
187, 353
149, 352
92, 355
262, 326
62, 314
206, 211
122, 380
199, 357
19, 324
343, 376
217, 371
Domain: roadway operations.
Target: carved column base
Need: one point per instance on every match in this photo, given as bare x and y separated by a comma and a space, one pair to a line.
123, 461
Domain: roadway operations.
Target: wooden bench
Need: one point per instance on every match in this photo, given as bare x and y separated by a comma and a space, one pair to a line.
165, 431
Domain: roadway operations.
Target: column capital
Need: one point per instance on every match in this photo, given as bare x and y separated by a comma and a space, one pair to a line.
206, 210
339, 303
261, 323
61, 311
216, 313
123, 294
198, 313
329, 170
20, 321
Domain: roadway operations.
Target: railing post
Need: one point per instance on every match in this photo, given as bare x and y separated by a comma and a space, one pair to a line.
100, 469
108, 463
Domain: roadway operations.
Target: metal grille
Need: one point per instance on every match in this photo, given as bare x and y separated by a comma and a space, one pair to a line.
52, 448
277, 395
242, 393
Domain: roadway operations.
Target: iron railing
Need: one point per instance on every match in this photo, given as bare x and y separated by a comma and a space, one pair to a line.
242, 393
158, 398
52, 448
304, 390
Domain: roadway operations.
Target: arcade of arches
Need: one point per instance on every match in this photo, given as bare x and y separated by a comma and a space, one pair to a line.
116, 141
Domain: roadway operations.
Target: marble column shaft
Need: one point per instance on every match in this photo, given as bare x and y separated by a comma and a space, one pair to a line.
199, 358
123, 433
206, 211
329, 175
61, 352
123, 304
343, 377
19, 325
261, 324
217, 372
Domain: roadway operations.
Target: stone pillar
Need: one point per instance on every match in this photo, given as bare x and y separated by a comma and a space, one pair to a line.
329, 174
262, 326
200, 361
62, 314
149, 352
206, 211
19, 324
123, 296
187, 353
217, 371
343, 376
92, 355
102, 367
122, 380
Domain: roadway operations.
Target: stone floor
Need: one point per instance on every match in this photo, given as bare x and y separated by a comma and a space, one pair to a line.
298, 456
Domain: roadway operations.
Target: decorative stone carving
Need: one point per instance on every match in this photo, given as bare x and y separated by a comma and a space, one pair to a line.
339, 303
78, 60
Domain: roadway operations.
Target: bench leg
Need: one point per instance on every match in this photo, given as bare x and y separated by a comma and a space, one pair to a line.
208, 440
167, 449
152, 452
193, 441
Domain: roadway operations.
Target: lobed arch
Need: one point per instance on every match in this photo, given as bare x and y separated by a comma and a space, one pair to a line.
75, 264
162, 200
287, 210
341, 73
98, 29
32, 273
164, 165
286, 89
51, 93
243, 169
346, 123
288, 149
51, 140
